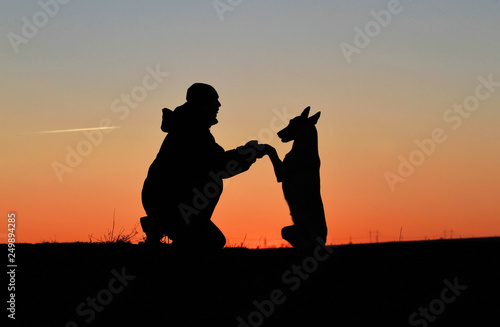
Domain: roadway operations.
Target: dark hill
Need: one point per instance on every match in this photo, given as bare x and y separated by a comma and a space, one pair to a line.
445, 283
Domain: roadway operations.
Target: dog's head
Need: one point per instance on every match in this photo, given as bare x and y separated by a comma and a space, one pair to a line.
298, 125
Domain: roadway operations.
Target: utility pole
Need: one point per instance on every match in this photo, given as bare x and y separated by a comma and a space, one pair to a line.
370, 235
376, 239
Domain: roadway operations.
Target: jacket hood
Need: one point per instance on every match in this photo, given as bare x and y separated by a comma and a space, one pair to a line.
187, 117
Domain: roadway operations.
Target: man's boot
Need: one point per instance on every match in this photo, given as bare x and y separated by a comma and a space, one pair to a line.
152, 230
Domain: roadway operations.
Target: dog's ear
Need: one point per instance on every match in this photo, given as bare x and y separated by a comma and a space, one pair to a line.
305, 113
314, 118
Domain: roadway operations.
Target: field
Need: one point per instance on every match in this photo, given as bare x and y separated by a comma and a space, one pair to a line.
434, 283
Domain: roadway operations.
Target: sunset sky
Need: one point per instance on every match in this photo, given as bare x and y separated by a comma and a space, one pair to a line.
409, 94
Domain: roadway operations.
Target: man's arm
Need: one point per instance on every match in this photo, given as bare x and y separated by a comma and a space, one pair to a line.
240, 159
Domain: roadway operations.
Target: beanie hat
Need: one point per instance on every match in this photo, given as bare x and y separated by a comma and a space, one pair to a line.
200, 93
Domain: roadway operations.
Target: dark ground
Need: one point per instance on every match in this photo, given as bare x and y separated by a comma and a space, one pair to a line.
356, 285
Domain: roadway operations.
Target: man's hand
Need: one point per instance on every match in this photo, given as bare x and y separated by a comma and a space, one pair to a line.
261, 149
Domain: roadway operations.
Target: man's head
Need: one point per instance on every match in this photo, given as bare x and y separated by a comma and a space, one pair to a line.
206, 98
199, 93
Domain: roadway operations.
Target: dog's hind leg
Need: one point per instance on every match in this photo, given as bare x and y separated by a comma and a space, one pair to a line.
300, 237
291, 234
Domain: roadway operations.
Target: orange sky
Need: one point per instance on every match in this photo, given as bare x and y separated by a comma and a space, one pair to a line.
80, 69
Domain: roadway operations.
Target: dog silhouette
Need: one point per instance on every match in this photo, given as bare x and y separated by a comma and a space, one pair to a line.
300, 178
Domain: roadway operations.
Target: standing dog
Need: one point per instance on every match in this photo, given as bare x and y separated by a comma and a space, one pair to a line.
299, 174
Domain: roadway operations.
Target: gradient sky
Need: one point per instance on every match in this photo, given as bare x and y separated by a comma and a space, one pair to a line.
267, 60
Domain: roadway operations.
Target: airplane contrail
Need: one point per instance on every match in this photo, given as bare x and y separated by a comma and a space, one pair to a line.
74, 130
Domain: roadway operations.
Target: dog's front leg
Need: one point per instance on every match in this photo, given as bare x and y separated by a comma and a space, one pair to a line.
276, 161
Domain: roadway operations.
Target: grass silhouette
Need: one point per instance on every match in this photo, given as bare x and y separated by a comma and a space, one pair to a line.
119, 237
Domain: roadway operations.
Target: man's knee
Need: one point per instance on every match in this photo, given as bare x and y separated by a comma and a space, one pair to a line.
203, 235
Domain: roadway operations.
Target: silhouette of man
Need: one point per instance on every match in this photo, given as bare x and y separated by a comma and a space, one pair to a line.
184, 182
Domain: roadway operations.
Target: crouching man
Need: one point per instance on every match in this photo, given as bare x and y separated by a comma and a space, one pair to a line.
184, 182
